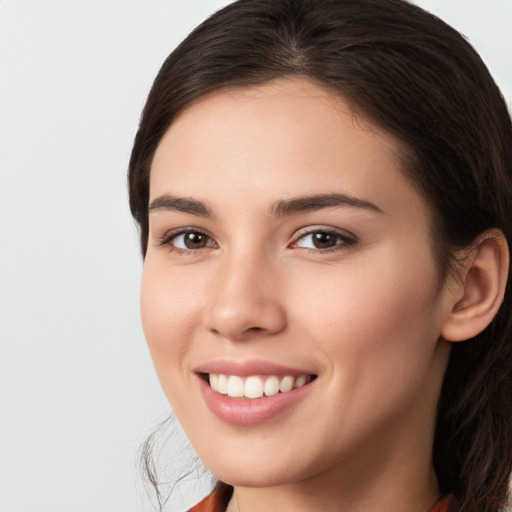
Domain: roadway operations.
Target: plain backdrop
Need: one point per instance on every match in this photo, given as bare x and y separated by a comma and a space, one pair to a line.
77, 389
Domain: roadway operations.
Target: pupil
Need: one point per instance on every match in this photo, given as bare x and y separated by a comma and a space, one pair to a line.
324, 240
195, 240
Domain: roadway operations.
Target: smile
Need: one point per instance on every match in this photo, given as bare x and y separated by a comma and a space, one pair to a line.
255, 386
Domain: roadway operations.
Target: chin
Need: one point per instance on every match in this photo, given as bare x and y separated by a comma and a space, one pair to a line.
255, 477
263, 468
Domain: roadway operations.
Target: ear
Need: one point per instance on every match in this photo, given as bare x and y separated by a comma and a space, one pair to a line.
477, 293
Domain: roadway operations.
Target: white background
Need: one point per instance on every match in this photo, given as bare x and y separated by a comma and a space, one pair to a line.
77, 389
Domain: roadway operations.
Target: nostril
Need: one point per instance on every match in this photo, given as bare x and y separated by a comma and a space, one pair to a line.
237, 319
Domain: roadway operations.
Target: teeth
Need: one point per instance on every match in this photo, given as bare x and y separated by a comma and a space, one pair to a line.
214, 381
255, 386
222, 385
235, 387
286, 384
300, 381
271, 386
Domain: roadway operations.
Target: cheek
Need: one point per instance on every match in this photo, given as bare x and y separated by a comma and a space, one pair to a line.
168, 318
374, 322
377, 337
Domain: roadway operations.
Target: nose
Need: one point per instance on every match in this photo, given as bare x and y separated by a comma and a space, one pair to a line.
246, 303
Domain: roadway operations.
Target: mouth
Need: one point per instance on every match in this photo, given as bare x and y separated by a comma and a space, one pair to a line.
255, 386
252, 392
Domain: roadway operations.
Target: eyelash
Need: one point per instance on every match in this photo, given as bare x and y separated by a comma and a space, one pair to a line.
168, 238
345, 240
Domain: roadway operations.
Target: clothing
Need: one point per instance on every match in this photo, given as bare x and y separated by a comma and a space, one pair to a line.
440, 506
218, 500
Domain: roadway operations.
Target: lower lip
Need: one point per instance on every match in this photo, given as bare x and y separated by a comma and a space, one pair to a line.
249, 411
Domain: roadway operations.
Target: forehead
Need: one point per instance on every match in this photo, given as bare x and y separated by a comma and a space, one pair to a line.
281, 139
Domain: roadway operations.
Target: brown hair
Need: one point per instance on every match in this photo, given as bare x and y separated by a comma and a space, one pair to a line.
420, 80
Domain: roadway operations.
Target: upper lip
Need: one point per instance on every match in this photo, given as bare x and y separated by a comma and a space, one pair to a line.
247, 368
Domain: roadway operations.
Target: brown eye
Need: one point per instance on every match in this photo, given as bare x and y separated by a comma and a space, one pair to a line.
190, 241
324, 240
195, 240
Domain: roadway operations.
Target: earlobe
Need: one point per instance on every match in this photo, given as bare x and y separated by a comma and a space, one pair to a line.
481, 288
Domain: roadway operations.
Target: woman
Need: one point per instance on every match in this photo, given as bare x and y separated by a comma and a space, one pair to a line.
323, 190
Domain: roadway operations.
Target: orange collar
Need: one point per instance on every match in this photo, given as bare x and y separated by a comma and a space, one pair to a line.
218, 500
441, 505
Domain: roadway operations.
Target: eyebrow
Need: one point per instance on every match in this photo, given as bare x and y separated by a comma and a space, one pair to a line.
281, 208
319, 201
169, 202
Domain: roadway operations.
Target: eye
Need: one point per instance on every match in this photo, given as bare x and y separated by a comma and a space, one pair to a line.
323, 240
188, 240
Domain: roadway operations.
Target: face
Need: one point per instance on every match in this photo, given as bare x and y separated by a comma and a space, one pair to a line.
289, 293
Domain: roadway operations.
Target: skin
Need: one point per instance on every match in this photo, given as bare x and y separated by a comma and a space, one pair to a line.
365, 316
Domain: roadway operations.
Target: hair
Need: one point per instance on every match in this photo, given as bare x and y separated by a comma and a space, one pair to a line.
419, 79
